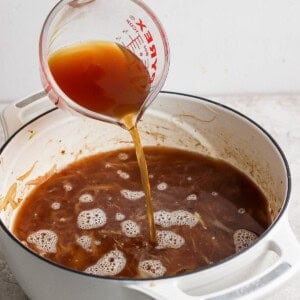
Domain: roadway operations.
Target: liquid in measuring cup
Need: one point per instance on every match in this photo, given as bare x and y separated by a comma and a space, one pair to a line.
108, 79
103, 77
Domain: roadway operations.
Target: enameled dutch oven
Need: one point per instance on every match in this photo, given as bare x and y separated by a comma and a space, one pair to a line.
37, 133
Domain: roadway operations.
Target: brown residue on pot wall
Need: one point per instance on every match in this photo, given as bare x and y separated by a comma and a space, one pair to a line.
193, 128
157, 135
27, 173
41, 179
9, 197
196, 119
32, 133
257, 169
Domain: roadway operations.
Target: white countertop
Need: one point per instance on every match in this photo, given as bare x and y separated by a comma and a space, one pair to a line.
279, 115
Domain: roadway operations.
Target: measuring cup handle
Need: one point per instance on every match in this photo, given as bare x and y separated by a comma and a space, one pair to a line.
283, 242
17, 114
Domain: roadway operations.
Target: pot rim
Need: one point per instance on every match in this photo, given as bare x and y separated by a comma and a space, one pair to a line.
209, 267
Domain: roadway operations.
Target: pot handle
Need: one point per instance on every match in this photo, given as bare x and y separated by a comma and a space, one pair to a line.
17, 114
283, 242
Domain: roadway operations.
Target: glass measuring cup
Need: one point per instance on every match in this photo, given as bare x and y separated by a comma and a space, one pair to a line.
129, 23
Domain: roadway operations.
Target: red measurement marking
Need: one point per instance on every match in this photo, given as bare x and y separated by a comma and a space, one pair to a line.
141, 25
152, 47
134, 43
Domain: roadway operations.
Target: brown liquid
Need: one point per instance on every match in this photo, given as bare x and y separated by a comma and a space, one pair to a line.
108, 79
220, 198
103, 77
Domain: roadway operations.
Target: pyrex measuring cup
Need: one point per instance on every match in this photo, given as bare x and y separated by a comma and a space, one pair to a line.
129, 23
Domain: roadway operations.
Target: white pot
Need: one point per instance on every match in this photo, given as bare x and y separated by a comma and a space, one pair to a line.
174, 120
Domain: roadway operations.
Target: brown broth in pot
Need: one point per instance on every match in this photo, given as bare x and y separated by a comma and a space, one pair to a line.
91, 216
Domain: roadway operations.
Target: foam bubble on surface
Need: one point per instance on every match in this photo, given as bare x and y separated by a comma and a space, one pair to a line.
163, 218
97, 242
214, 194
108, 165
175, 218
189, 178
123, 156
119, 217
183, 217
55, 205
86, 198
192, 197
151, 268
169, 239
130, 228
162, 186
110, 264
243, 238
123, 175
85, 242
68, 187
241, 210
151, 176
44, 240
93, 218
132, 195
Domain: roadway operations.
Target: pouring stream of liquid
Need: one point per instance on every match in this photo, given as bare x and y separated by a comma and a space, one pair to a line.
132, 128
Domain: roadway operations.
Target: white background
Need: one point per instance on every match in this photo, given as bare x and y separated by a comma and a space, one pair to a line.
217, 47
